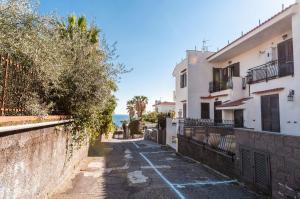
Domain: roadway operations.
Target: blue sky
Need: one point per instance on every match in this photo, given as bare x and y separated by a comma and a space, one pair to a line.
153, 35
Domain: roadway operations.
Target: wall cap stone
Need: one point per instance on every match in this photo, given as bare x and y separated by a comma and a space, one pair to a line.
9, 130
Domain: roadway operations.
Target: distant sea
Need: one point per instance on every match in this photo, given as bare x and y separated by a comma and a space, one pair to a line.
117, 118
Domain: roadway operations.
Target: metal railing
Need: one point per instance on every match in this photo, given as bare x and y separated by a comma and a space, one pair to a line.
220, 86
16, 80
189, 122
218, 136
271, 70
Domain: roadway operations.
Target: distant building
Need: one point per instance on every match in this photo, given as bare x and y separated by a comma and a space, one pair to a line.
164, 107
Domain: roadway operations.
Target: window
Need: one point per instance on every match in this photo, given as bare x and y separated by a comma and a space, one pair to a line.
183, 80
184, 110
205, 111
234, 70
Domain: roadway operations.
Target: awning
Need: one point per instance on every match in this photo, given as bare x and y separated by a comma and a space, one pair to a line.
268, 91
234, 105
212, 97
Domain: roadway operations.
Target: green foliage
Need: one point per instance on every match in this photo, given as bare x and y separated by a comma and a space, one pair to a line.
135, 127
150, 117
161, 119
75, 71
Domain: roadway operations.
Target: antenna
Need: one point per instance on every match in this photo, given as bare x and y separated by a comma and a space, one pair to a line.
282, 7
204, 45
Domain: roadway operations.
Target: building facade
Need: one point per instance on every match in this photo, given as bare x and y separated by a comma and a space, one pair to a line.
253, 81
190, 81
164, 107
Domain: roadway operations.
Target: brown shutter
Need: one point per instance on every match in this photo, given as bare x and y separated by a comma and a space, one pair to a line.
275, 113
265, 116
285, 58
270, 113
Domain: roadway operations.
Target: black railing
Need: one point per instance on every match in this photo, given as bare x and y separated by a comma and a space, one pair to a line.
271, 70
208, 123
218, 136
220, 86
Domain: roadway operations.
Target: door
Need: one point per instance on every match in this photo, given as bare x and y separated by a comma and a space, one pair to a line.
217, 113
205, 111
239, 118
270, 114
184, 110
255, 168
285, 58
216, 79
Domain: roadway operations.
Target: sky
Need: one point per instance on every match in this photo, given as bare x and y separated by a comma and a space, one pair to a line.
153, 35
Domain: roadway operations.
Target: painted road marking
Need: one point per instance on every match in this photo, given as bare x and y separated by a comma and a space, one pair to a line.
137, 146
154, 152
203, 183
179, 194
137, 177
157, 166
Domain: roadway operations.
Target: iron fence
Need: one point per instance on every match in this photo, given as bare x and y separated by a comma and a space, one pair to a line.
270, 70
218, 136
16, 81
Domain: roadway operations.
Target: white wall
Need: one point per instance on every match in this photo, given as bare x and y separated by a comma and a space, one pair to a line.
171, 136
199, 76
165, 108
180, 93
289, 111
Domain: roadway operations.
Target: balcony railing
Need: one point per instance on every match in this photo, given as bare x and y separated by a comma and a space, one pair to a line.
271, 70
220, 86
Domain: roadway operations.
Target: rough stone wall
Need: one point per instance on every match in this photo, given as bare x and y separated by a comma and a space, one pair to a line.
151, 134
284, 153
218, 161
34, 163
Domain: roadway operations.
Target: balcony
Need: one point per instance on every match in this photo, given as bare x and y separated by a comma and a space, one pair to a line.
271, 70
220, 86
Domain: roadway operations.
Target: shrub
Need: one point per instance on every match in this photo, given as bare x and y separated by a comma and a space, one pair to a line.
135, 127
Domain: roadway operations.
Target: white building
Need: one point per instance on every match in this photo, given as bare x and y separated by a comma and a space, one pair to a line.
189, 85
164, 107
253, 81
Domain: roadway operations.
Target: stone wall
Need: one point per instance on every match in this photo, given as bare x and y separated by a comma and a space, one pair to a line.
34, 163
284, 151
151, 134
221, 162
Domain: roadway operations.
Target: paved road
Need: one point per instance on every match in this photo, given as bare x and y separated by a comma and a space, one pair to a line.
142, 170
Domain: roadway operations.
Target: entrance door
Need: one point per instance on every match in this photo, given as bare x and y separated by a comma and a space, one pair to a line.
270, 115
239, 118
184, 110
205, 111
217, 113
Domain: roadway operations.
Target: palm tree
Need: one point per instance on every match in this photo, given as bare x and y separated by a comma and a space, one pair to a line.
91, 33
131, 109
140, 105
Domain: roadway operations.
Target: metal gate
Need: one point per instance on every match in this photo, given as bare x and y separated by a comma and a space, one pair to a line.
255, 169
